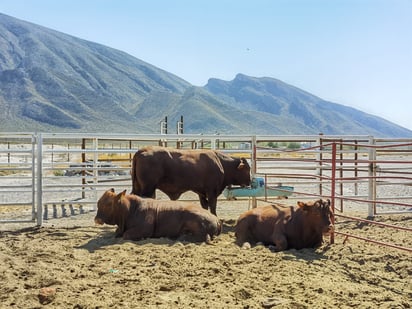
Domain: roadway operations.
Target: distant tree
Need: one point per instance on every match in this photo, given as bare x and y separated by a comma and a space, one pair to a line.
293, 145
273, 145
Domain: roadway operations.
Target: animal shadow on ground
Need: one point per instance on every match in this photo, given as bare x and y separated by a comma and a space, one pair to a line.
32, 231
104, 239
307, 254
27, 230
107, 238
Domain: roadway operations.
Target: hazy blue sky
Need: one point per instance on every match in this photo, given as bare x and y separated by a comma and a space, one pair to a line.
352, 52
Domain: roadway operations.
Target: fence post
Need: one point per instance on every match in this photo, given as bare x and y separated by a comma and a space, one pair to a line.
95, 168
372, 178
356, 167
332, 189
341, 169
33, 176
83, 171
39, 176
254, 167
319, 157
213, 143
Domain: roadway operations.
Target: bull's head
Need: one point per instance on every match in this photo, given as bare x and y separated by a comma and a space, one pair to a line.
107, 207
319, 213
242, 163
244, 173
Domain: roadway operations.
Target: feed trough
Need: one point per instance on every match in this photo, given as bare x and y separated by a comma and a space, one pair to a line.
257, 188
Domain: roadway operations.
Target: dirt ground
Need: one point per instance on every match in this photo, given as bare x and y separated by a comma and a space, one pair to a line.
79, 265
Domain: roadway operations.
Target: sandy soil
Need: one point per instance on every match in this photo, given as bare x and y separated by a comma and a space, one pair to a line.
78, 265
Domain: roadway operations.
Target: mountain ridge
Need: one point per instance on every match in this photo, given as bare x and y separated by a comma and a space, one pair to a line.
51, 81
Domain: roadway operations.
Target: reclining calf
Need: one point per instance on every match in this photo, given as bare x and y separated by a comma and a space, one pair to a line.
138, 218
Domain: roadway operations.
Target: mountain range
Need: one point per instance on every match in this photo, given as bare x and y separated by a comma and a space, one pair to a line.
53, 82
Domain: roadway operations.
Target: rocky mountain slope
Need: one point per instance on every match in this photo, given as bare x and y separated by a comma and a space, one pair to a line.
54, 82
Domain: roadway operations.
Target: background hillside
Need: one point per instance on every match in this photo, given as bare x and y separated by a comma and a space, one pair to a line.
51, 81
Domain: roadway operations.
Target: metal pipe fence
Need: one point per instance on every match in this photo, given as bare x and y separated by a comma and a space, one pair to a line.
373, 176
18, 174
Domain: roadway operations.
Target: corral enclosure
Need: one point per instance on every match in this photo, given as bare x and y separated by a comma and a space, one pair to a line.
47, 169
59, 175
54, 180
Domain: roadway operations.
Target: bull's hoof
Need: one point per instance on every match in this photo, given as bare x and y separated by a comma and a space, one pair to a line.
208, 239
246, 245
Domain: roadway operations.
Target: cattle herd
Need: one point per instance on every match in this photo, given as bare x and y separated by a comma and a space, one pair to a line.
206, 172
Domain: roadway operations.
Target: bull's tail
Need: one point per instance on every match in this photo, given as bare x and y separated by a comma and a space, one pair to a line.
133, 173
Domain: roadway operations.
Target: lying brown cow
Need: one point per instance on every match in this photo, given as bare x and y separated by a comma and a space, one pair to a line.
286, 227
139, 218
175, 171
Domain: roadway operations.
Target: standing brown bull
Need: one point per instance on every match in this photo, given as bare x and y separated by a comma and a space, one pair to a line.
139, 218
286, 227
175, 171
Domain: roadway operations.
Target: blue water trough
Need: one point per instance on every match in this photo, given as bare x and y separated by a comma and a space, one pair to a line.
257, 188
